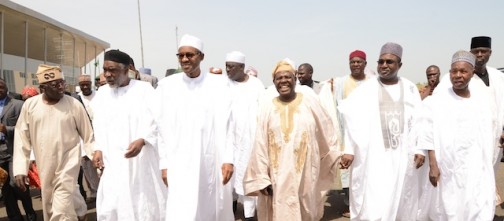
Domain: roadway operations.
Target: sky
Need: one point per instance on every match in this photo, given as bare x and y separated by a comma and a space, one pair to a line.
322, 33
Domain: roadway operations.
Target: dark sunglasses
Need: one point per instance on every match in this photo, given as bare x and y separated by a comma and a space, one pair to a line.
388, 61
188, 55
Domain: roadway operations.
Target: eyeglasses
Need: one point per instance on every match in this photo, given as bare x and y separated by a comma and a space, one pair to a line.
56, 84
388, 61
188, 55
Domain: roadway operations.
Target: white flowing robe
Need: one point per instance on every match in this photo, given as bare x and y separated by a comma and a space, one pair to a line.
342, 87
245, 106
193, 121
496, 92
130, 188
295, 152
377, 173
460, 130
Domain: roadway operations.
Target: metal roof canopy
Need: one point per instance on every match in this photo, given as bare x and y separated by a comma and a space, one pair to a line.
48, 40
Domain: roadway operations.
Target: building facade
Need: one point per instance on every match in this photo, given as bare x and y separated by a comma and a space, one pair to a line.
28, 38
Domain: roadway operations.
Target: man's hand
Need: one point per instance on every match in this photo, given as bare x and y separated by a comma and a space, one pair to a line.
227, 172
164, 176
3, 129
268, 191
134, 148
346, 161
419, 160
501, 141
21, 182
98, 159
434, 175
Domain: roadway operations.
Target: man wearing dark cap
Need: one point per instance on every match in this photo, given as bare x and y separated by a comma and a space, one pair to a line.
341, 88
481, 47
305, 74
53, 124
126, 146
379, 117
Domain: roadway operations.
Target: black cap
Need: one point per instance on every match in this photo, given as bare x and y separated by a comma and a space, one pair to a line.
481, 42
117, 56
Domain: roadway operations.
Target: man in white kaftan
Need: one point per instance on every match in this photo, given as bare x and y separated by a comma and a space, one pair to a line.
246, 91
290, 168
458, 124
130, 187
379, 116
491, 79
340, 88
53, 124
90, 173
193, 119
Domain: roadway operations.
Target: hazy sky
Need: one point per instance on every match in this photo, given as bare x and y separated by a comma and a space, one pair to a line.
322, 33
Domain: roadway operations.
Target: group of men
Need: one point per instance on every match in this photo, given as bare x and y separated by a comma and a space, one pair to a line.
181, 150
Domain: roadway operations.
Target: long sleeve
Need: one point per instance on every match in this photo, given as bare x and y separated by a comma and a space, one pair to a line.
148, 122
327, 142
85, 130
425, 129
22, 144
257, 173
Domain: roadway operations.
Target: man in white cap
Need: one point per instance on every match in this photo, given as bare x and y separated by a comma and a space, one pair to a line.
87, 94
126, 150
196, 160
246, 91
291, 164
146, 75
379, 117
457, 127
53, 124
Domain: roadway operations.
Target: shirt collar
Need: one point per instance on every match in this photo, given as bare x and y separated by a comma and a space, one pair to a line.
2, 101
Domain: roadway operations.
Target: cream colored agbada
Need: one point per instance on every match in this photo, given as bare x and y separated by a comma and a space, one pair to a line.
54, 132
294, 151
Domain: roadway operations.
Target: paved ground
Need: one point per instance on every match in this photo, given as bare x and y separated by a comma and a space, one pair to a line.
333, 205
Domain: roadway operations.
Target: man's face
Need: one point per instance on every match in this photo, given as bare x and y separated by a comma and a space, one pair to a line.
235, 71
85, 87
54, 90
190, 59
482, 55
357, 66
304, 75
460, 74
116, 74
285, 83
388, 66
433, 76
3, 89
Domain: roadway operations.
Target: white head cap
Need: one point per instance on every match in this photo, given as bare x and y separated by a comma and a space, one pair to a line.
189, 40
235, 56
464, 56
